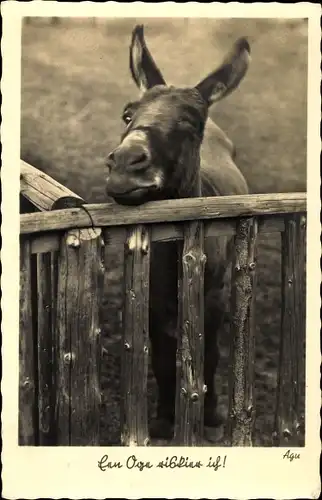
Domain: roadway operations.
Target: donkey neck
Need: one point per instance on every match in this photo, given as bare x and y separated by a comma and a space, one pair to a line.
194, 190
188, 172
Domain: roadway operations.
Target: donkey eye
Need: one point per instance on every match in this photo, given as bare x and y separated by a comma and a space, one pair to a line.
127, 118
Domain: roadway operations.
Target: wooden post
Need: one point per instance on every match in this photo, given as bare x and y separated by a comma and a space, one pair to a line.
134, 426
288, 421
301, 358
45, 332
27, 358
241, 391
43, 192
177, 423
190, 359
80, 276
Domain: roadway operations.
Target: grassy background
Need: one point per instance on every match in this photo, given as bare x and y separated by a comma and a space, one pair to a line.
75, 81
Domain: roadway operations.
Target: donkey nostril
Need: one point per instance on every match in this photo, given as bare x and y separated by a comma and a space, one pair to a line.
133, 155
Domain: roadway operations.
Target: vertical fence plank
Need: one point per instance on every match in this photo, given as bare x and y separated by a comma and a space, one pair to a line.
241, 391
27, 359
45, 349
134, 426
62, 338
78, 344
177, 423
190, 359
291, 370
301, 359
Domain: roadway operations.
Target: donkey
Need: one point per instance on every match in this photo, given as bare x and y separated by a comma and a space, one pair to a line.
168, 135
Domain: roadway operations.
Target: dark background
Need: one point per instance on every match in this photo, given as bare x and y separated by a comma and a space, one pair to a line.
75, 82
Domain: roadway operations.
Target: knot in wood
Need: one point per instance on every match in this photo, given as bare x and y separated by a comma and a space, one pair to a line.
145, 349
69, 357
287, 433
189, 258
204, 389
274, 435
249, 411
298, 427
145, 244
194, 397
27, 384
290, 281
132, 243
73, 241
127, 346
232, 414
203, 259
252, 266
183, 391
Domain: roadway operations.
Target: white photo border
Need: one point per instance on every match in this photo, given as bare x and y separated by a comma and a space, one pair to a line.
72, 472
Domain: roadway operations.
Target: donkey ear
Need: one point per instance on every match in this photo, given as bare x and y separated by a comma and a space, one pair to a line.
144, 71
229, 74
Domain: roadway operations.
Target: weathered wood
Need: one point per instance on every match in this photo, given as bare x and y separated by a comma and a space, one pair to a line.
25, 206
301, 358
27, 358
190, 363
177, 423
49, 242
134, 427
45, 311
54, 291
288, 421
242, 357
45, 243
78, 331
44, 192
168, 231
167, 210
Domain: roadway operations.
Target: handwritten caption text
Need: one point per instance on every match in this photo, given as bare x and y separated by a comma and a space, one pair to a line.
175, 462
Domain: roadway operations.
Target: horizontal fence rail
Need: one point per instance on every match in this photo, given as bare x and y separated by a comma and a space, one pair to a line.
108, 214
61, 289
163, 232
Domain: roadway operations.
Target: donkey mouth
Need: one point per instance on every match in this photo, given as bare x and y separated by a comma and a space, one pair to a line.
135, 196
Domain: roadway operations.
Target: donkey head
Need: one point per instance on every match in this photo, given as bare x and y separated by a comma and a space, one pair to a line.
158, 157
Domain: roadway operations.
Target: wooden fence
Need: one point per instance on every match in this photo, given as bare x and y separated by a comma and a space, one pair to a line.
61, 287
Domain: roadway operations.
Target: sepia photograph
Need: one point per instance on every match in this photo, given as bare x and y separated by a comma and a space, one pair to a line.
116, 111
163, 177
